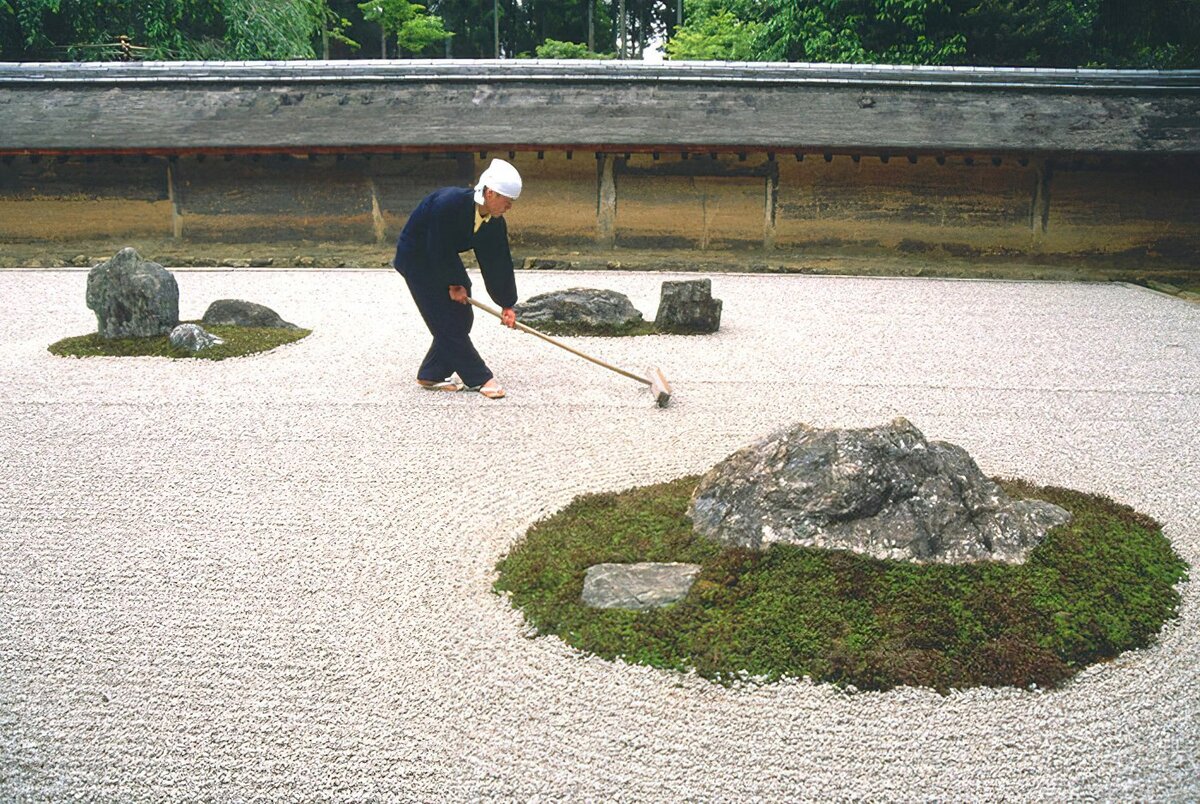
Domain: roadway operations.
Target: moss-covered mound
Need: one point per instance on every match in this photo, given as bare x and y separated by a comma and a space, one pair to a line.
1096, 587
239, 341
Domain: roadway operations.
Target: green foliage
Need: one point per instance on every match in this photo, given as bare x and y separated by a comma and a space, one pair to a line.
413, 27
167, 29
1047, 33
275, 30
1099, 586
9, 32
335, 27
554, 49
892, 31
721, 36
630, 330
1059, 33
239, 341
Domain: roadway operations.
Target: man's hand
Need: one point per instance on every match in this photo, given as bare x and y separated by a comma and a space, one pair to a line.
458, 293
508, 317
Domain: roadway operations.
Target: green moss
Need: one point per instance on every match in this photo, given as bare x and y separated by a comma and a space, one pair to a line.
1101, 585
559, 329
239, 341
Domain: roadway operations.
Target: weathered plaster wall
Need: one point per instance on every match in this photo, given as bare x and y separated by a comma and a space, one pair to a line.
558, 201
704, 201
954, 204
52, 199
1117, 206
899, 204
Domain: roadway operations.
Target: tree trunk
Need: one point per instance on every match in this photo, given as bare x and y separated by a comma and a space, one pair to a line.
623, 31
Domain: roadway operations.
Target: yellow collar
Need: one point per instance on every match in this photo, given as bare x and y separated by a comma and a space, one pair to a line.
480, 220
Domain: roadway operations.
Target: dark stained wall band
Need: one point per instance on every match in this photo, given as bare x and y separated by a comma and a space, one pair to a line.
180, 107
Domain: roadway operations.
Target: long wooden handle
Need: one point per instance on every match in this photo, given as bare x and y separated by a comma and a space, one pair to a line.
562, 345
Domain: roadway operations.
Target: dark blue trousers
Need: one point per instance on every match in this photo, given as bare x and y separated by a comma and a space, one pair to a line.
450, 325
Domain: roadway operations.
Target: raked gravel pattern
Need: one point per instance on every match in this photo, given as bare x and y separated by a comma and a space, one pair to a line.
269, 578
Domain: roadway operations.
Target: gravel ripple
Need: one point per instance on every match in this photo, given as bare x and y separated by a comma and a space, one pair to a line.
270, 576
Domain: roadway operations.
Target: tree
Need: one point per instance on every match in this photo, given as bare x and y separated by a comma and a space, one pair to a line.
721, 36
554, 49
160, 29
471, 22
414, 28
1043, 33
276, 30
1162, 34
10, 32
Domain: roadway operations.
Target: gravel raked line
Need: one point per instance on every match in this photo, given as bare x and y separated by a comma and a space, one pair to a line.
271, 576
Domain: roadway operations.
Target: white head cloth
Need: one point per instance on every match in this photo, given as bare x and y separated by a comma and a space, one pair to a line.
501, 177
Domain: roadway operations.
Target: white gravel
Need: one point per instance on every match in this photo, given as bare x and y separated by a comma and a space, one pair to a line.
270, 578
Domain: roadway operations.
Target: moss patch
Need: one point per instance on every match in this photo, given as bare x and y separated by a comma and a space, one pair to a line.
559, 328
239, 341
1097, 587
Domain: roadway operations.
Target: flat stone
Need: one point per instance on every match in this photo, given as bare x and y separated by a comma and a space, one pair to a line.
239, 313
883, 491
645, 585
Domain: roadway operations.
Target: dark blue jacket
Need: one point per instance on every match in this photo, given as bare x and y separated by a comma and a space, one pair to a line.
439, 229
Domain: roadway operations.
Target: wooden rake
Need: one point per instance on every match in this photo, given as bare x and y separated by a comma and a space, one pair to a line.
659, 387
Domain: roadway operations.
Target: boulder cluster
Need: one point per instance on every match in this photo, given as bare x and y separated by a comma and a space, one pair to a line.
136, 298
685, 308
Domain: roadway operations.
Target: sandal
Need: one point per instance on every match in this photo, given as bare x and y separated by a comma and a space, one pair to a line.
491, 391
440, 385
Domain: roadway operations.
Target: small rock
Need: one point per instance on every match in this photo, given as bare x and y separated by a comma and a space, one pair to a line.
307, 262
239, 313
193, 337
132, 297
646, 585
540, 264
262, 262
688, 308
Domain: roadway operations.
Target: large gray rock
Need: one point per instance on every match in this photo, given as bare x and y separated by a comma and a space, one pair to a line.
647, 585
882, 491
688, 308
238, 313
193, 338
132, 297
579, 309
